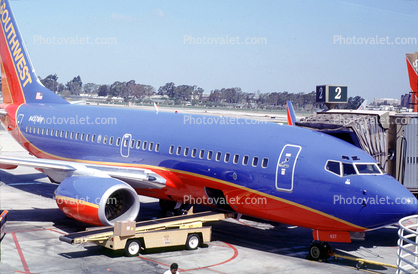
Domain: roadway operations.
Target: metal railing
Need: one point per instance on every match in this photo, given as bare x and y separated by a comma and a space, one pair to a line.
408, 245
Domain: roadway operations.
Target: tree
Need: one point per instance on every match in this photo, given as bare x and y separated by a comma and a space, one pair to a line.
90, 88
103, 90
167, 89
74, 86
50, 82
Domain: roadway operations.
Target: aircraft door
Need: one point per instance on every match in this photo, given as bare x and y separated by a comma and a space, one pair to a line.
125, 145
286, 167
19, 124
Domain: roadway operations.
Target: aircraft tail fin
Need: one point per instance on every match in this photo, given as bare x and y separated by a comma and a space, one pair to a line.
19, 81
363, 105
156, 108
412, 64
291, 116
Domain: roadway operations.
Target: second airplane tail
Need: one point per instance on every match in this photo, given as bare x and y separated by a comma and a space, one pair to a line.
19, 82
412, 64
291, 116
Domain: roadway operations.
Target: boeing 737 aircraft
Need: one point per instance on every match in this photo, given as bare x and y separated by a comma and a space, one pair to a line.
101, 158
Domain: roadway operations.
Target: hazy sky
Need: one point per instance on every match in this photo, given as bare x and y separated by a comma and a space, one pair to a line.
272, 45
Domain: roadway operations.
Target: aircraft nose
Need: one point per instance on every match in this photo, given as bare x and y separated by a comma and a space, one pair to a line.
398, 201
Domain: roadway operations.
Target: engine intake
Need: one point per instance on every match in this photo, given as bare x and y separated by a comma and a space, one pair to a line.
97, 201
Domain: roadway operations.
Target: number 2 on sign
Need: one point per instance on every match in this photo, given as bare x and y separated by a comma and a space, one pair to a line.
338, 95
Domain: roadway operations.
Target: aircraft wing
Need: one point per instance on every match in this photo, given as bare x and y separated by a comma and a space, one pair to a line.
58, 170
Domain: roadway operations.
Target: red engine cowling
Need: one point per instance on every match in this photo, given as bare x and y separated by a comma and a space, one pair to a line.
97, 201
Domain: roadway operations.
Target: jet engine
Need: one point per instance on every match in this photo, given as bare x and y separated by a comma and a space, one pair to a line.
96, 200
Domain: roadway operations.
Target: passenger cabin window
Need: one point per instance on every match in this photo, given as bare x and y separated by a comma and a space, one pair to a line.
57, 133
47, 131
144, 145
333, 167
93, 137
132, 143
77, 135
201, 153
43, 131
88, 137
67, 133
194, 152
39, 130
368, 169
99, 138
264, 163
178, 151
218, 156
186, 151
118, 141
255, 161
348, 170
72, 135
245, 160
210, 153
27, 128
125, 142
171, 151
157, 147
52, 132
236, 158
227, 156
105, 139
138, 144
111, 140
62, 133
151, 146
30, 129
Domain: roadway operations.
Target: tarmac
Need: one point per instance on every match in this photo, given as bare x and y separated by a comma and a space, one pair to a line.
31, 243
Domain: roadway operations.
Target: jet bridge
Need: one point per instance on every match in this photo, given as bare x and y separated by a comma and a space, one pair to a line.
389, 137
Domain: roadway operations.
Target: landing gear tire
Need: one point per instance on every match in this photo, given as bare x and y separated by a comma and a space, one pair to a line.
193, 241
132, 247
319, 251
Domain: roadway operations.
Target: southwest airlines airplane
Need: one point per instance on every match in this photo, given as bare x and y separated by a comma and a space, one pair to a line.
102, 158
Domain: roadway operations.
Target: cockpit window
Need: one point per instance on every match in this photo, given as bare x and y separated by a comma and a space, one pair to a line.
368, 169
348, 169
333, 167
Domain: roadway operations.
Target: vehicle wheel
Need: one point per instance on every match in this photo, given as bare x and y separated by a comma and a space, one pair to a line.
315, 251
193, 241
132, 247
167, 205
319, 251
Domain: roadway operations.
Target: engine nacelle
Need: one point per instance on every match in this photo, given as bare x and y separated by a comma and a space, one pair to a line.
97, 201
